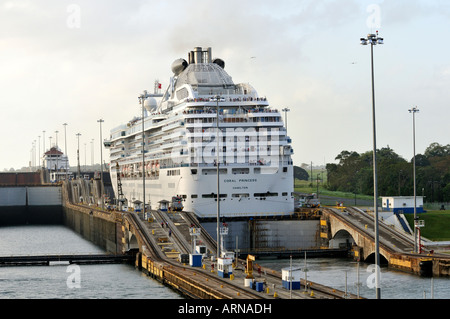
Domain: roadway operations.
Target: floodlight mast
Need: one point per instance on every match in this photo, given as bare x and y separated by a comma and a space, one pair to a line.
373, 39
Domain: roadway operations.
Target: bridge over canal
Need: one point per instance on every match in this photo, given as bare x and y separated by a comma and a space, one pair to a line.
353, 227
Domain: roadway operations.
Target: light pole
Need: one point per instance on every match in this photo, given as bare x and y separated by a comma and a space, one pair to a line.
218, 98
65, 148
78, 155
39, 151
101, 162
92, 153
85, 152
43, 149
142, 98
413, 111
285, 110
373, 39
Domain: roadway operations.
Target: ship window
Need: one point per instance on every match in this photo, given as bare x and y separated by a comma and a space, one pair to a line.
210, 171
241, 195
284, 194
212, 195
268, 194
173, 172
194, 196
240, 170
194, 171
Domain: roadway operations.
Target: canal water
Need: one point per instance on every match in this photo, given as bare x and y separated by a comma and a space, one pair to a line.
119, 281
345, 275
106, 281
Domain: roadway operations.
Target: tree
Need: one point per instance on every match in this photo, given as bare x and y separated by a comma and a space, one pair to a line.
436, 149
354, 173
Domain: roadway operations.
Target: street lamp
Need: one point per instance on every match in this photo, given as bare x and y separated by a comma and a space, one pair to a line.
373, 39
39, 151
43, 149
65, 148
101, 161
92, 153
78, 155
413, 111
142, 98
218, 99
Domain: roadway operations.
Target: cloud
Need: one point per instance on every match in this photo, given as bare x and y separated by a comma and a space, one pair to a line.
54, 71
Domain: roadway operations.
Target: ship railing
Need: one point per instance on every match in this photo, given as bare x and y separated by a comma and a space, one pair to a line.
228, 98
239, 112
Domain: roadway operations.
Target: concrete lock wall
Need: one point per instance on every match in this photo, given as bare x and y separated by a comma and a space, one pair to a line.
99, 231
13, 196
30, 205
269, 234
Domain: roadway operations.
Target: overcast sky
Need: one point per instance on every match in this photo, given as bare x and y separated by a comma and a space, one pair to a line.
76, 62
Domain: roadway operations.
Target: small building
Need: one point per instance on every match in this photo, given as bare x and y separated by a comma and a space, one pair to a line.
56, 163
137, 205
224, 267
291, 278
402, 204
195, 260
163, 205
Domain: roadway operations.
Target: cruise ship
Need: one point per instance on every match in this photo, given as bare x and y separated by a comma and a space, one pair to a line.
202, 134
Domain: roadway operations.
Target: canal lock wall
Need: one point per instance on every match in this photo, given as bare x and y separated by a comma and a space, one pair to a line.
99, 227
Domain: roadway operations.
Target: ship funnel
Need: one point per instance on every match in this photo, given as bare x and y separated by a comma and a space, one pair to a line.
197, 55
200, 55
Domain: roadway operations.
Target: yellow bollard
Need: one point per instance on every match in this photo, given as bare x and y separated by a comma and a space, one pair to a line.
231, 277
267, 290
275, 295
238, 293
312, 293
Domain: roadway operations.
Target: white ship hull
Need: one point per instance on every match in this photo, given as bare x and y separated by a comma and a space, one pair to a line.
199, 193
175, 146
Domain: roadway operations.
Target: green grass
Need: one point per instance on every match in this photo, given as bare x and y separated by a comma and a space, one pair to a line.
437, 224
307, 187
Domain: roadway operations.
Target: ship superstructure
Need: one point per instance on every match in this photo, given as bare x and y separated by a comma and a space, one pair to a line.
182, 152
